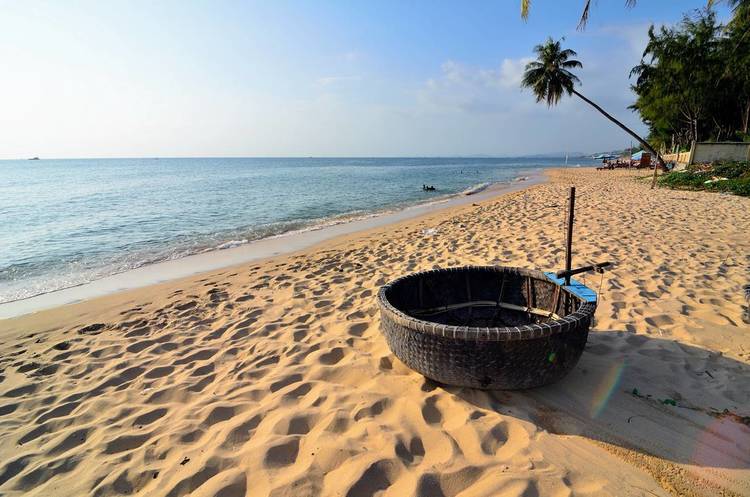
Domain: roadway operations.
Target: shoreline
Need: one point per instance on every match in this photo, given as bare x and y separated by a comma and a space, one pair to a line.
256, 250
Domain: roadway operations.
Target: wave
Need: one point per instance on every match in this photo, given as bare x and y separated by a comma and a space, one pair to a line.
228, 245
476, 188
42, 284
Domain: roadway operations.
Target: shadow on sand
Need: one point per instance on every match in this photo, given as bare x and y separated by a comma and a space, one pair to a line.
650, 398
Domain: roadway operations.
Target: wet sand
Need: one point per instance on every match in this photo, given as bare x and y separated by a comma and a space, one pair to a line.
271, 378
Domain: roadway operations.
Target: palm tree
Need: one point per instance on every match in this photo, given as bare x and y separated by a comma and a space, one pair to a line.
550, 77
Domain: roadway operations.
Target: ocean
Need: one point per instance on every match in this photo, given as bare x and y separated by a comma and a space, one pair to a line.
64, 223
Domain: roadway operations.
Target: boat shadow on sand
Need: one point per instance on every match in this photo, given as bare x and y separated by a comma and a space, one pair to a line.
648, 400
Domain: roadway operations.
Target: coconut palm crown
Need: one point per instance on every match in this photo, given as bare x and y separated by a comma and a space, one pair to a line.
549, 76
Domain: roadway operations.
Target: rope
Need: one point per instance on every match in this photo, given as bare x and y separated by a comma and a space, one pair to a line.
482, 303
599, 290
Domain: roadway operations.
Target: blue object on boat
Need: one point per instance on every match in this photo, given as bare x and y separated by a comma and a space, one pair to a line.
576, 287
637, 155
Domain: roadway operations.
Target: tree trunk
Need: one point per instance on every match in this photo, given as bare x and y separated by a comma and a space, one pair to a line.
646, 145
695, 130
746, 117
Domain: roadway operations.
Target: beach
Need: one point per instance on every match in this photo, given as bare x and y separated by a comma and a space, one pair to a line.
271, 377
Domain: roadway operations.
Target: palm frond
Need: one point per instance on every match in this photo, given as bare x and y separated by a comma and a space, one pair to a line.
584, 16
568, 53
525, 4
571, 64
549, 76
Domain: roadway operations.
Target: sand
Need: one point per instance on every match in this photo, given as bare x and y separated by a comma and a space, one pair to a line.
272, 378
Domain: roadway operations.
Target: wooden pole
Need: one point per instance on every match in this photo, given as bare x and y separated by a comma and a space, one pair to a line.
653, 180
569, 239
598, 267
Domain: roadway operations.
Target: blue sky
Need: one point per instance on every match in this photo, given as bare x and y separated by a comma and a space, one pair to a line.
325, 78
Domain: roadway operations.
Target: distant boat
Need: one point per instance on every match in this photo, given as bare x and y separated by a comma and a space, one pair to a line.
34, 158
604, 156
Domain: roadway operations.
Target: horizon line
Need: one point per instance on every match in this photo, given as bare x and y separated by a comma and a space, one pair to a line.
458, 156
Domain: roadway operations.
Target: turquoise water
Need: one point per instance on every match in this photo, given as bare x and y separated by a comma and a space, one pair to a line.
68, 222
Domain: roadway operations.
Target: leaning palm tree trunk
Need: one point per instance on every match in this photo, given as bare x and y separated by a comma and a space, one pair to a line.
643, 142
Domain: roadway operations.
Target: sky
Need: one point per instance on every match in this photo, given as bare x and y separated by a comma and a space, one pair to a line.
310, 78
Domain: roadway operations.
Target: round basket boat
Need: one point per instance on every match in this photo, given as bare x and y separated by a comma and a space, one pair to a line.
487, 327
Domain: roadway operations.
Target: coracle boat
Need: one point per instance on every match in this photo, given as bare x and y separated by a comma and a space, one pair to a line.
488, 327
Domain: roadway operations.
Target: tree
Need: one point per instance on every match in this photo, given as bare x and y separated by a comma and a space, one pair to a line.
550, 77
693, 81
680, 65
736, 51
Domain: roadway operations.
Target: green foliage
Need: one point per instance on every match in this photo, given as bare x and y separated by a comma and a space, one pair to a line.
693, 82
709, 177
731, 169
549, 76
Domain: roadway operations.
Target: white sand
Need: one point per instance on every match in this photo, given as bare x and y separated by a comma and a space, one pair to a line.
272, 378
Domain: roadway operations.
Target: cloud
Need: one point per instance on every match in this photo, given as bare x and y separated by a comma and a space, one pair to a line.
351, 56
483, 109
332, 80
474, 89
511, 71
634, 36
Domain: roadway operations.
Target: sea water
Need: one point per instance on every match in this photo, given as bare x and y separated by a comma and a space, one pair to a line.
68, 222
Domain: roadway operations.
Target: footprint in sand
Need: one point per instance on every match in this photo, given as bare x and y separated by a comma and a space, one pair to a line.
385, 363
243, 432
298, 392
139, 346
159, 372
190, 483
203, 370
126, 442
282, 455
494, 439
72, 440
292, 378
378, 476
332, 357
430, 412
358, 329
219, 414
150, 417
187, 305
413, 453
268, 361
58, 412
375, 409
92, 329
299, 425
62, 346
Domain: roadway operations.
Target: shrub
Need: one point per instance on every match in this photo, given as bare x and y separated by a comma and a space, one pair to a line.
696, 175
731, 169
